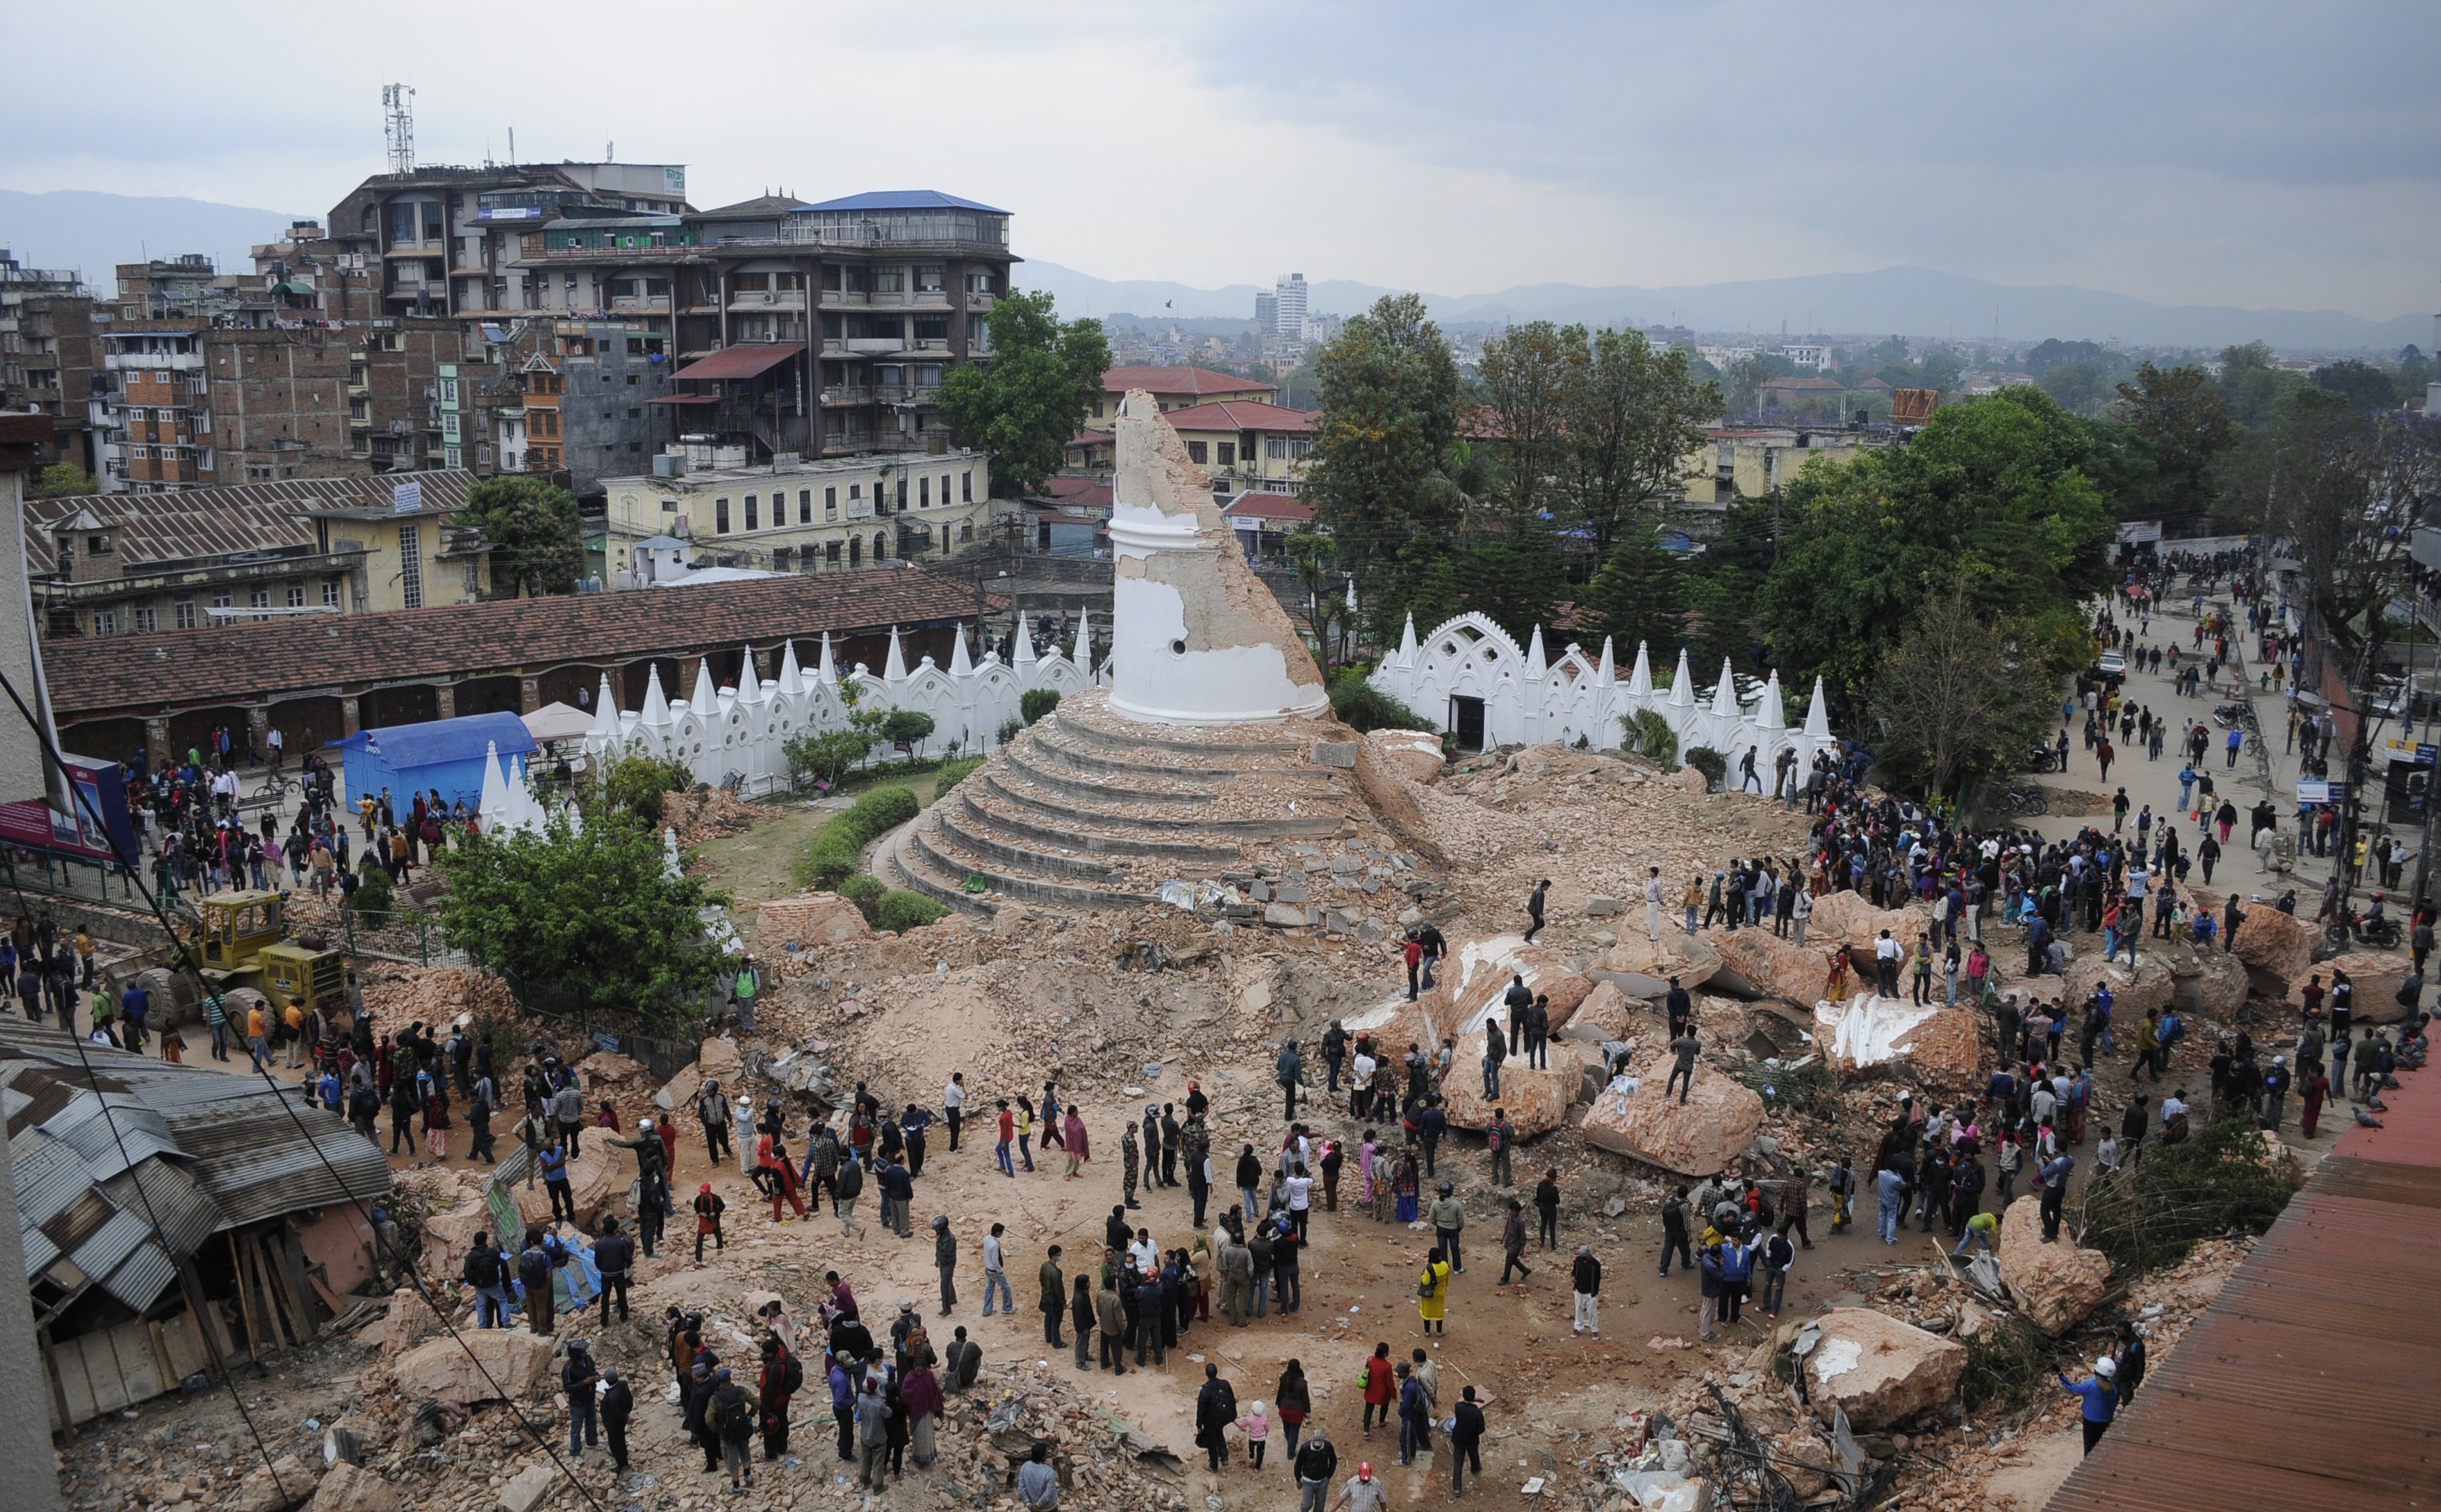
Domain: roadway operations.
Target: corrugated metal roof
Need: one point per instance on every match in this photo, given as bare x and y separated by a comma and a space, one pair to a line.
205, 523
2307, 1385
203, 1152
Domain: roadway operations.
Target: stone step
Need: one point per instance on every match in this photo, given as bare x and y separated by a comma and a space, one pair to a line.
943, 857
1086, 731
979, 837
1061, 802
989, 807
896, 864
1025, 758
1058, 742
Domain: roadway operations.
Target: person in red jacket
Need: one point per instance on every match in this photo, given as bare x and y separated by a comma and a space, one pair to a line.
779, 1177
1381, 1389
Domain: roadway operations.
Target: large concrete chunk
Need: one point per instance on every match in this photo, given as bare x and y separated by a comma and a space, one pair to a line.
1411, 754
2269, 940
514, 1360
1851, 918
594, 1181
2056, 1283
1607, 1014
2150, 986
1702, 1137
1928, 1044
1550, 975
286, 1482
2377, 977
352, 1488
1536, 1100
1758, 964
530, 1488
1882, 1371
1642, 967
407, 1323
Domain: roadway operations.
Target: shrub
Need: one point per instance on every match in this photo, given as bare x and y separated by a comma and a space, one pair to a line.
903, 910
374, 896
837, 850
1037, 702
1363, 706
907, 727
864, 889
635, 782
826, 755
1650, 736
1009, 726
952, 773
2218, 1181
1714, 766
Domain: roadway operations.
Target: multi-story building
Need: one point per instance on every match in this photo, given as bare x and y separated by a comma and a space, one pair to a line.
188, 404
591, 408
799, 517
48, 354
822, 330
1174, 389
447, 241
1246, 445
1289, 305
1267, 313
109, 564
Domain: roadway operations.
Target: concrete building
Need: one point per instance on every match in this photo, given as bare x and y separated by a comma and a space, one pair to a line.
1289, 306
1267, 313
1173, 389
446, 240
590, 409
119, 565
804, 515
1247, 446
49, 354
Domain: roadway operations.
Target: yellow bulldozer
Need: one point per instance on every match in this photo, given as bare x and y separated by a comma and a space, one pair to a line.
243, 942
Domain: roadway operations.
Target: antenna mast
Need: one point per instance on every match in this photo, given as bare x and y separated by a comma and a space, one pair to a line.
398, 123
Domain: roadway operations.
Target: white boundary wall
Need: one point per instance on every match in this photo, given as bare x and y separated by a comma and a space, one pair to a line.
740, 731
1529, 700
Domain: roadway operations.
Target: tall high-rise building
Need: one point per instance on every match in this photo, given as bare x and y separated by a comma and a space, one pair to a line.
1267, 313
1288, 303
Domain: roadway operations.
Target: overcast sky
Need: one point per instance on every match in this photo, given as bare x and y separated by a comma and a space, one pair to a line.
2276, 155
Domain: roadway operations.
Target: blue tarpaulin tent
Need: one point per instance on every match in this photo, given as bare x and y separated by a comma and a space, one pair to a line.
443, 753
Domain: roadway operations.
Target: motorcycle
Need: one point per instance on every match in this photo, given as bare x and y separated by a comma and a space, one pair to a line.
2229, 716
2382, 933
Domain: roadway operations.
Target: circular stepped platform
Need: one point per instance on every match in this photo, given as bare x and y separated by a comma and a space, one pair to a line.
1085, 810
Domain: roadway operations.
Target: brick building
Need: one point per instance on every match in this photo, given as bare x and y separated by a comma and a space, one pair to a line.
48, 354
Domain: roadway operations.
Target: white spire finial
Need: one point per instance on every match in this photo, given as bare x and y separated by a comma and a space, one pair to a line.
828, 670
791, 680
959, 665
657, 703
895, 668
1640, 681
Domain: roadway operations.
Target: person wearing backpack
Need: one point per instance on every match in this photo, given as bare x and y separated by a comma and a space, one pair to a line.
783, 1376
576, 1379
533, 1274
1778, 1255
618, 1405
615, 1254
732, 1417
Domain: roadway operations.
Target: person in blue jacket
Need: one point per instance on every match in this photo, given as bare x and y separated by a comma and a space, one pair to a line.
2100, 1400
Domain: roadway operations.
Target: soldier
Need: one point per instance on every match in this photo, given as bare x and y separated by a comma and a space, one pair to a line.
1129, 1163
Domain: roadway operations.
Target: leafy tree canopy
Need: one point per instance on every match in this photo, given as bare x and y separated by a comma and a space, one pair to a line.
536, 534
63, 480
1023, 405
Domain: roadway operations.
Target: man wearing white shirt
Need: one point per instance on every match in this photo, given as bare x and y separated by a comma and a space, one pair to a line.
994, 1274
1653, 900
954, 1099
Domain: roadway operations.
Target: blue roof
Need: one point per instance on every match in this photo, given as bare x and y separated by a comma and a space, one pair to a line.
898, 200
445, 740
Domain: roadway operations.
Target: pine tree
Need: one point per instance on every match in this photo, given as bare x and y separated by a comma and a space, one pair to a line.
1639, 594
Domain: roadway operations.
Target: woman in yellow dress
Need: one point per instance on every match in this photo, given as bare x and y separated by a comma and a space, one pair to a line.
1432, 1293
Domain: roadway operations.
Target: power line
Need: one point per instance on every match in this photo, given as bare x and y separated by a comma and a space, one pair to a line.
187, 963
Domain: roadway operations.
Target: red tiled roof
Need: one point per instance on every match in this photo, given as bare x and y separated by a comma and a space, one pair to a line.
1270, 506
125, 674
1240, 414
745, 360
1090, 491
1194, 382
1091, 438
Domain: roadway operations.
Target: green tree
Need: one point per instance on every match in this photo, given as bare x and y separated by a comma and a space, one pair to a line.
2364, 386
1639, 596
828, 755
910, 728
1381, 474
2183, 423
64, 481
1955, 699
1636, 413
1025, 401
1315, 557
2252, 387
591, 910
1530, 376
633, 783
536, 535
1990, 497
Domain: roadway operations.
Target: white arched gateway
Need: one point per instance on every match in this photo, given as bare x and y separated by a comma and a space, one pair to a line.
1471, 676
739, 733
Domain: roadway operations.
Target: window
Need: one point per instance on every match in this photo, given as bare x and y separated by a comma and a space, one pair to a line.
888, 280
1197, 452
297, 595
451, 456
448, 390
979, 335
966, 531
923, 492
750, 512
929, 277
260, 599
979, 283
1299, 446
1275, 447
183, 613
966, 488
781, 557
106, 622
945, 491
410, 565
330, 593
902, 497
929, 377
804, 506
880, 546
140, 621
473, 578
720, 516
932, 328
1228, 453
831, 552
830, 503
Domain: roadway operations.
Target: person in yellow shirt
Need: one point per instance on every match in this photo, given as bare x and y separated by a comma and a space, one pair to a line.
257, 1037
84, 954
295, 1018
1432, 1293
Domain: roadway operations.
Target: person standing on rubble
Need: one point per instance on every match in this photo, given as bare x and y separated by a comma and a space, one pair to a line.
712, 1111
1073, 1140
1053, 1300
2099, 1399
1656, 895
1535, 905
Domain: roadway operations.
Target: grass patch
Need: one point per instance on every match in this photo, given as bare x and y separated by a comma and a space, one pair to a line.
838, 851
2220, 1180
954, 772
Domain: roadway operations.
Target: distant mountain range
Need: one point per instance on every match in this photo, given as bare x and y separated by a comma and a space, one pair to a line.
1903, 301
92, 232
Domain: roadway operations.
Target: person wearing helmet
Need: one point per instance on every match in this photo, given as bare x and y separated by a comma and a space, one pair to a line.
2100, 1398
1361, 1492
1449, 1220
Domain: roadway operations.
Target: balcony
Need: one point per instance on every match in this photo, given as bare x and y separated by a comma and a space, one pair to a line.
848, 394
639, 304
872, 344
767, 300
